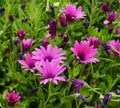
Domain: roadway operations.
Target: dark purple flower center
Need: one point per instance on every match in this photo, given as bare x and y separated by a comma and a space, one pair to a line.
81, 57
48, 58
50, 75
31, 65
70, 18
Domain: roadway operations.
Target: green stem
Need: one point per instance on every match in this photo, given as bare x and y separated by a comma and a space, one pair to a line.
92, 11
49, 95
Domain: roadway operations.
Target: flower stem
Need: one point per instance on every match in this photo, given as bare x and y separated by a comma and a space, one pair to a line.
49, 94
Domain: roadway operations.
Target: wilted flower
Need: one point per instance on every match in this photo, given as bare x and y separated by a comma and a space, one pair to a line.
77, 84
86, 24
12, 98
118, 31
114, 47
49, 53
50, 72
63, 21
16, 41
97, 106
111, 17
28, 63
107, 98
105, 7
72, 13
81, 97
84, 52
94, 41
53, 26
21, 33
27, 43
7, 50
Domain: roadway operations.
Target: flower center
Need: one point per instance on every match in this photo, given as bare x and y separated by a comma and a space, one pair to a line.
81, 57
48, 58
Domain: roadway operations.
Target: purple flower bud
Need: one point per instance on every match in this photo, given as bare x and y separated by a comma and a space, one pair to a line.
118, 91
107, 98
81, 97
16, 41
20, 55
34, 90
2, 10
105, 7
21, 33
86, 24
63, 21
12, 98
77, 84
7, 50
53, 26
10, 17
66, 38
118, 31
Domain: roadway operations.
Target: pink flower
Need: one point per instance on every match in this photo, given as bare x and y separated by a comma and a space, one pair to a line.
50, 72
27, 43
111, 17
49, 53
21, 33
84, 52
94, 41
118, 31
114, 47
28, 63
72, 13
12, 98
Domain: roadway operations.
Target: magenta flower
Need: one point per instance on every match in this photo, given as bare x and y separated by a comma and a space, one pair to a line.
114, 47
49, 53
72, 13
105, 7
21, 33
63, 21
12, 98
118, 31
84, 52
50, 72
28, 63
27, 43
94, 41
111, 17
77, 84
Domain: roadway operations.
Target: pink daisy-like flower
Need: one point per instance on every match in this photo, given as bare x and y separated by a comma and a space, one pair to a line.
28, 63
50, 72
114, 47
94, 41
84, 52
12, 98
27, 43
111, 17
72, 13
49, 53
